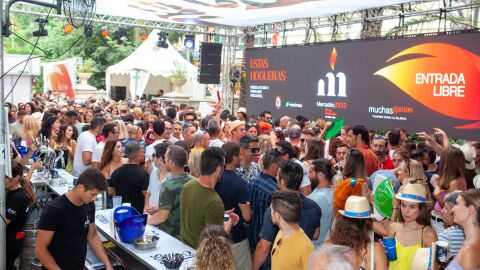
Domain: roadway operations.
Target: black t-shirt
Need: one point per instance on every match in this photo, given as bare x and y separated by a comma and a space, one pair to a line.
129, 181
234, 190
70, 224
17, 208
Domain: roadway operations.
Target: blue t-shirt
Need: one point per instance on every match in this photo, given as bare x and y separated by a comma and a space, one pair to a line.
323, 197
233, 190
309, 222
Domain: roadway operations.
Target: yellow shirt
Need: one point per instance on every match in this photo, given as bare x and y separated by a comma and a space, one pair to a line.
291, 252
197, 150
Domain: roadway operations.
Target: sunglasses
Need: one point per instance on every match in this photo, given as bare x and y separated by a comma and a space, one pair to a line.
279, 242
379, 137
254, 150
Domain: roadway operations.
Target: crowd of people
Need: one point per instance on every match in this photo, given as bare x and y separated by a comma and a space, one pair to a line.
246, 191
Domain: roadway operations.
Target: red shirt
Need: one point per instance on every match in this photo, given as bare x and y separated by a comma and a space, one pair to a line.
387, 164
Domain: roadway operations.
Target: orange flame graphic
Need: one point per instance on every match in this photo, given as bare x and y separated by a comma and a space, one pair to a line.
60, 80
333, 58
431, 78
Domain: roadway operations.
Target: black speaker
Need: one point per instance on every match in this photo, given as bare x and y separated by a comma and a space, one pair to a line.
118, 92
210, 60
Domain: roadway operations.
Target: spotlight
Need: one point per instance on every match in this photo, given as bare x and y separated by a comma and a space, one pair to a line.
122, 35
143, 36
105, 31
162, 40
67, 28
189, 42
88, 30
41, 32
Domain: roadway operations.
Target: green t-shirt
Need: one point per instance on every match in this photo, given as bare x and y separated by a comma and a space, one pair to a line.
170, 200
199, 206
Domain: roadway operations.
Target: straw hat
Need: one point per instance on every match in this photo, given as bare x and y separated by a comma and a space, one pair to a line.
413, 193
357, 207
235, 124
424, 258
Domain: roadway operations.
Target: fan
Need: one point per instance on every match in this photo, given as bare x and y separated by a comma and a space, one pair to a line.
79, 12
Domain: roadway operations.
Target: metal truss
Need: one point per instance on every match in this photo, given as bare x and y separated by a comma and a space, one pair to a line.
131, 22
228, 62
400, 12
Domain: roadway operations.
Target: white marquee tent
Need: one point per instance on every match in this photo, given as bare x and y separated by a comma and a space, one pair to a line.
146, 70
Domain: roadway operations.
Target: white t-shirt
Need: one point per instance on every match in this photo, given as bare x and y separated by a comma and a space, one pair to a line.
97, 154
215, 143
154, 186
306, 179
86, 143
150, 150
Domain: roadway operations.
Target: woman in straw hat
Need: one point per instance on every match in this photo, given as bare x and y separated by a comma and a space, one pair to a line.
410, 171
467, 214
412, 230
354, 228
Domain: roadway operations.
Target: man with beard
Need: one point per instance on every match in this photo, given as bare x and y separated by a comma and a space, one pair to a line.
379, 147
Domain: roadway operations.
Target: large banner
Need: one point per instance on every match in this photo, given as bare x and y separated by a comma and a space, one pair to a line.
60, 77
417, 83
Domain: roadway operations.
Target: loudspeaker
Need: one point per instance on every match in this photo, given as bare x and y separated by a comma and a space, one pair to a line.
118, 93
210, 60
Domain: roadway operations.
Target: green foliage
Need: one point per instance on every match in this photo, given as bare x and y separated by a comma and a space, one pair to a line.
178, 72
104, 52
87, 66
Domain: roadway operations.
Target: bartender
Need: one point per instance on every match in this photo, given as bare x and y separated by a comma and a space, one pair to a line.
19, 198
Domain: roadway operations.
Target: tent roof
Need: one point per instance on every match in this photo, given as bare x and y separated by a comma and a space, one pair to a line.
234, 12
155, 60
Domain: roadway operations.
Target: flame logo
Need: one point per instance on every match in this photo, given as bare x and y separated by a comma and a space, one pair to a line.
443, 59
60, 80
333, 58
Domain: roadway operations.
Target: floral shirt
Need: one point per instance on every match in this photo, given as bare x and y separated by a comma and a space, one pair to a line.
249, 173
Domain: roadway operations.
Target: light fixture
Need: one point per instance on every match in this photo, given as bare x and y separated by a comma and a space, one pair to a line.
41, 32
88, 30
189, 42
67, 28
162, 40
105, 31
143, 36
122, 35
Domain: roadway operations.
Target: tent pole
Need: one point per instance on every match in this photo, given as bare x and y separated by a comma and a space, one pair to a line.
3, 145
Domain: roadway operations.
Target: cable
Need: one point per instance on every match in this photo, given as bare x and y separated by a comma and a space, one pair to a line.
28, 42
29, 57
46, 55
3, 219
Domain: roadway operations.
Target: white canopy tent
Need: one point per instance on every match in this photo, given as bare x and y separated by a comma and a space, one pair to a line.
146, 70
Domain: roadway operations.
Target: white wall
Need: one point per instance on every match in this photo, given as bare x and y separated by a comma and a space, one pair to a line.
23, 90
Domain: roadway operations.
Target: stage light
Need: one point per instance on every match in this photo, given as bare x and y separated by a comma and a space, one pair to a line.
105, 31
41, 32
67, 28
122, 35
162, 40
143, 36
88, 30
189, 42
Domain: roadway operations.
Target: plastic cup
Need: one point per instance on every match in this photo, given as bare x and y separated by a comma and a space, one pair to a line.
117, 201
390, 248
441, 252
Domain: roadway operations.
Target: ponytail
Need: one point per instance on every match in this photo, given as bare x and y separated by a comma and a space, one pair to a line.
17, 170
28, 188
